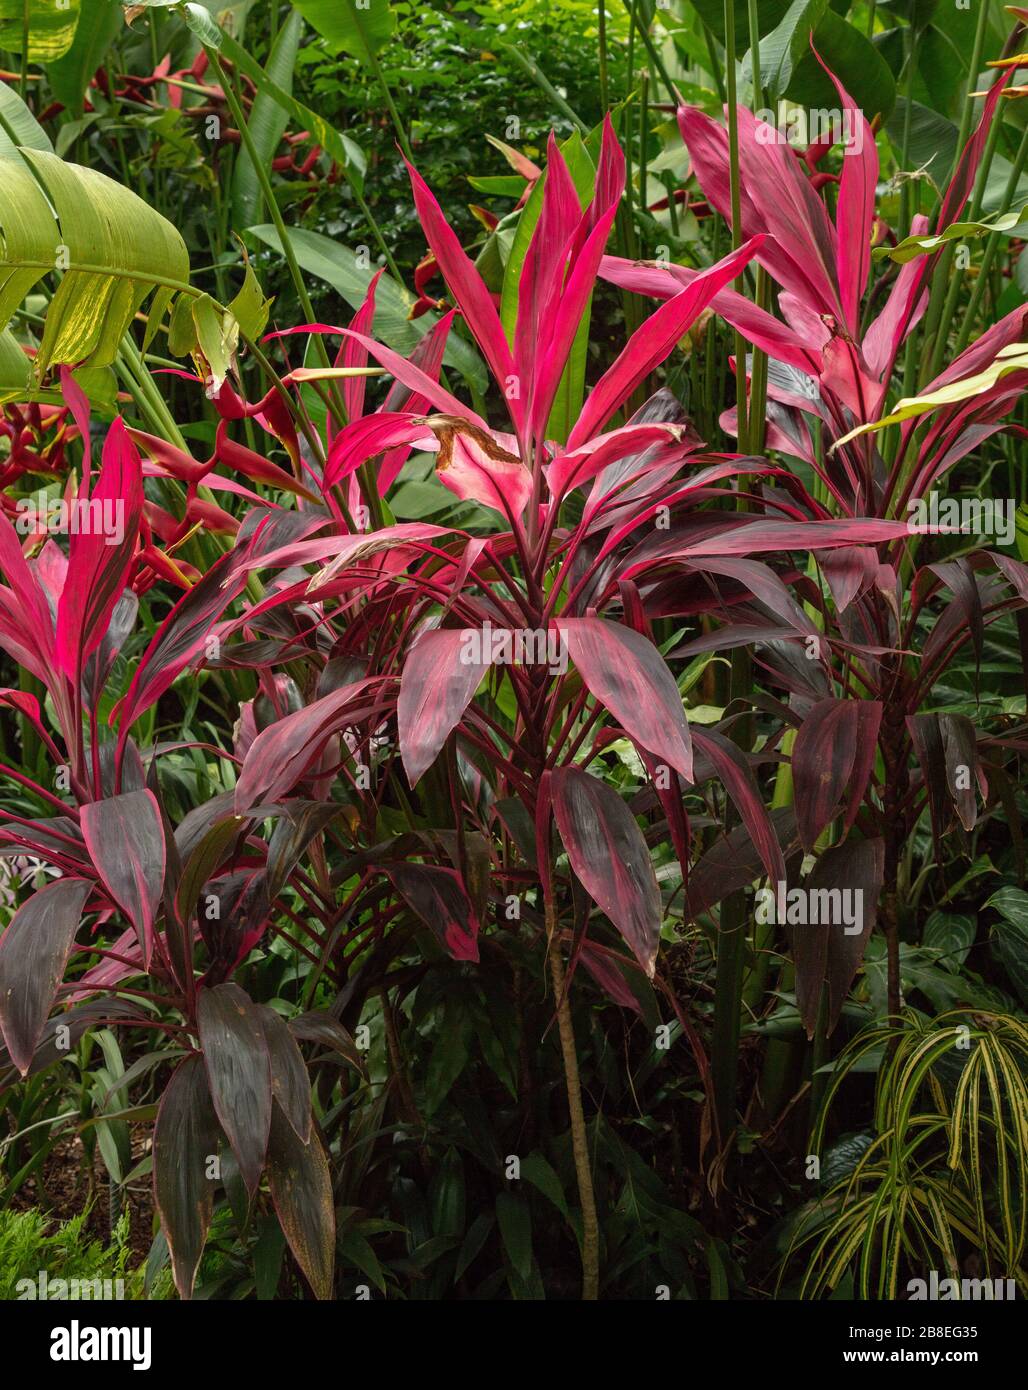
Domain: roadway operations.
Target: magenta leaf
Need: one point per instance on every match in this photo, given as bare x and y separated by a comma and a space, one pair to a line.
628, 675
437, 895
125, 838
610, 858
440, 676
100, 554
281, 753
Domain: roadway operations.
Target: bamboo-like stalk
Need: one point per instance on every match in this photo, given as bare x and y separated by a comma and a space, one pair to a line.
579, 1139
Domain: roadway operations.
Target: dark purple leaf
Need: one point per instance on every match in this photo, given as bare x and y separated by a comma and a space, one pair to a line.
185, 1141
125, 839
609, 855
238, 1066
33, 953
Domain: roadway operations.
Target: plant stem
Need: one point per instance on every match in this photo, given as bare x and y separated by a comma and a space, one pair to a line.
736, 199
579, 1140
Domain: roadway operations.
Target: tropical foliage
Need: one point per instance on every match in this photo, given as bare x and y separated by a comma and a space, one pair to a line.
514, 646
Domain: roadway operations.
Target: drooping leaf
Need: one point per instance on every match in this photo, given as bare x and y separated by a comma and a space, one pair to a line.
47, 26
610, 858
185, 1142
301, 1188
125, 838
238, 1065
437, 895
627, 674
60, 216
439, 679
33, 952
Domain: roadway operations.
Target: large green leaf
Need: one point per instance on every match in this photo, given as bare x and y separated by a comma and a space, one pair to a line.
856, 63
350, 26
50, 28
339, 267
18, 126
99, 25
785, 47
267, 123
106, 245
770, 14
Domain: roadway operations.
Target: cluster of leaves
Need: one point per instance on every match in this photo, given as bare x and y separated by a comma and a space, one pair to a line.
383, 794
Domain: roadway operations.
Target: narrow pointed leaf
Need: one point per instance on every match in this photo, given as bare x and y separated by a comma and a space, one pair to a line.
125, 838
239, 1072
185, 1141
301, 1188
33, 953
610, 858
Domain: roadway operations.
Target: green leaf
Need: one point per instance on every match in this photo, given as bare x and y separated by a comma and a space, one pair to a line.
339, 267
1013, 358
199, 21
346, 153
770, 14
267, 124
1009, 223
359, 27
217, 337
952, 935
541, 1174
786, 46
99, 25
250, 308
108, 246
18, 126
856, 63
51, 27
15, 368
515, 1222
1012, 904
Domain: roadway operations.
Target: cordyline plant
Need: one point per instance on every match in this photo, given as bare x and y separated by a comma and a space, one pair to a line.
429, 704
857, 718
